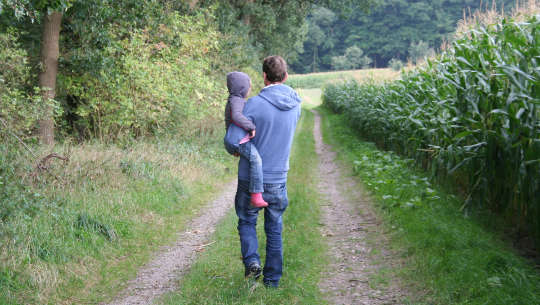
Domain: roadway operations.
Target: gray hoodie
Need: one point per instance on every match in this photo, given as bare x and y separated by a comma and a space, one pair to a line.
238, 84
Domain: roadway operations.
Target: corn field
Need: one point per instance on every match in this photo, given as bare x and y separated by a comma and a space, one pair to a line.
471, 116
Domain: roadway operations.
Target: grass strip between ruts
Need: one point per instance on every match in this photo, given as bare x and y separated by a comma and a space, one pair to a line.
218, 275
446, 257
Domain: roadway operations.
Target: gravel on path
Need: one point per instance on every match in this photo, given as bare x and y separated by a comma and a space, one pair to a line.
161, 274
348, 224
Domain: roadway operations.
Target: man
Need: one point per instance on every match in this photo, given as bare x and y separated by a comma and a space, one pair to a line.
275, 111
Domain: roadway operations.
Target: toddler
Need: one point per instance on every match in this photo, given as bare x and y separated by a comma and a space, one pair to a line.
239, 85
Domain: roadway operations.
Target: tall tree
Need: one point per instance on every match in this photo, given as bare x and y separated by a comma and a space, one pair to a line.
50, 51
51, 12
275, 27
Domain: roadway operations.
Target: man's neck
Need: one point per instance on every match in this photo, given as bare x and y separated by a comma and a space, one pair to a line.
272, 84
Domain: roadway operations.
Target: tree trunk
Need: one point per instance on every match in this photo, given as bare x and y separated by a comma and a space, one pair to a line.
192, 4
47, 77
246, 18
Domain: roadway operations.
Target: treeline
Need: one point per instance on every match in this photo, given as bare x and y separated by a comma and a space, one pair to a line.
391, 29
113, 69
470, 117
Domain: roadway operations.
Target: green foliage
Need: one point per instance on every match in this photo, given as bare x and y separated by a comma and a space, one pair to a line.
446, 258
34, 9
387, 31
353, 59
419, 51
395, 64
470, 116
18, 103
160, 79
276, 27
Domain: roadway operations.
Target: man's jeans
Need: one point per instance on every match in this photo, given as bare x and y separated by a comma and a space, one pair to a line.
276, 196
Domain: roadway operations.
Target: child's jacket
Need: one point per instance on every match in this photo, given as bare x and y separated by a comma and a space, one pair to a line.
238, 84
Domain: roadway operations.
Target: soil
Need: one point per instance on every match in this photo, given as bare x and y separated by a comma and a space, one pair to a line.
162, 273
354, 235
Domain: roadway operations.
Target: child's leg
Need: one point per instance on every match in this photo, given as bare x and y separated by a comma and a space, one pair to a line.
250, 152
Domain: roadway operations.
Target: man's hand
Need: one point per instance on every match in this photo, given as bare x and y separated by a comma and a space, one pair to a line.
252, 134
236, 154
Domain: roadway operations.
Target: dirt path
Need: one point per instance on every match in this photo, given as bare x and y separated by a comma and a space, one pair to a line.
349, 223
162, 273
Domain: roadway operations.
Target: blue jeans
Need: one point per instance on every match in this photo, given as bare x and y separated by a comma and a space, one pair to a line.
250, 152
276, 196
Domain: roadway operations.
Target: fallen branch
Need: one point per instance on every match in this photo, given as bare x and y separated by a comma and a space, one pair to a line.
42, 165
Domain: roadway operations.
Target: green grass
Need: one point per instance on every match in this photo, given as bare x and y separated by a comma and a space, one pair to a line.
79, 238
446, 258
217, 276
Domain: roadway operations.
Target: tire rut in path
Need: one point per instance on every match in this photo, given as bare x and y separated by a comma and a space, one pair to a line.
161, 274
347, 225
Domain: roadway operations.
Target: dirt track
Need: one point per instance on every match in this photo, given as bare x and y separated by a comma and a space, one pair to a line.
162, 273
348, 222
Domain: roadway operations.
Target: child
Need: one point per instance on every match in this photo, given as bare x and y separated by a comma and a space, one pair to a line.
237, 141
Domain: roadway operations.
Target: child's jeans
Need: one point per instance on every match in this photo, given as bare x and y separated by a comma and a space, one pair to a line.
250, 152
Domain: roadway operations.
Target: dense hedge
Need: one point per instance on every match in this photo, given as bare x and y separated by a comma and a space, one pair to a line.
124, 71
472, 115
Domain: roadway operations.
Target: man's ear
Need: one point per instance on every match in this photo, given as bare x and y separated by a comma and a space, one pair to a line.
286, 76
266, 82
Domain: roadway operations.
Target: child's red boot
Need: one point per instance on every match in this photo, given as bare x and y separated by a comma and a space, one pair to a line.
258, 201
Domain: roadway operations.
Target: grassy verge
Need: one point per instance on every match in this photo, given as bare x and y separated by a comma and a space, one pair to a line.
79, 237
217, 277
319, 80
448, 258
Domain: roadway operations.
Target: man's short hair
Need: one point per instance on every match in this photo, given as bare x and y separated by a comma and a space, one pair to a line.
275, 68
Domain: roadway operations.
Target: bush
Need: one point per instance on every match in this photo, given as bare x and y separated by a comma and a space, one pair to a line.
18, 108
157, 83
395, 64
353, 59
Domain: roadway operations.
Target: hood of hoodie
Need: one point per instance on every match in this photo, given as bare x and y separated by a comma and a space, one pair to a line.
281, 96
238, 84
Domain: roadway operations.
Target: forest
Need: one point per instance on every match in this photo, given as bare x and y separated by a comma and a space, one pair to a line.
404, 30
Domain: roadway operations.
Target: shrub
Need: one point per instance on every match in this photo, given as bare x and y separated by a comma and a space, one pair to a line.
157, 83
395, 64
18, 109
